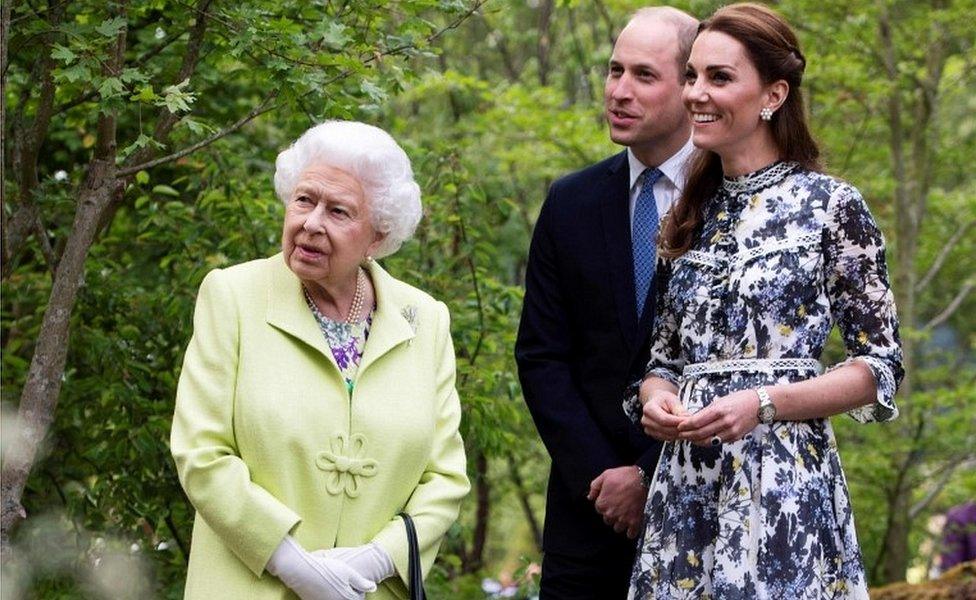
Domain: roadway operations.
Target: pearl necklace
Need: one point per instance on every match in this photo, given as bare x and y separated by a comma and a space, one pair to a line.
358, 298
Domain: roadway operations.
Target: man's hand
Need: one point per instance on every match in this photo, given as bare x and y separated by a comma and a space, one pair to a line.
619, 497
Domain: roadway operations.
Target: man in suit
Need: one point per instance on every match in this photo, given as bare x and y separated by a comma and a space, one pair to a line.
587, 315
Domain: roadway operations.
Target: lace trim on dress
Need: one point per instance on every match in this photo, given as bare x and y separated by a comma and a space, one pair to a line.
752, 365
800, 241
758, 180
716, 261
706, 259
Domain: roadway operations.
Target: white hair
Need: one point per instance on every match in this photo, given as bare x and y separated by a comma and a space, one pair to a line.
374, 158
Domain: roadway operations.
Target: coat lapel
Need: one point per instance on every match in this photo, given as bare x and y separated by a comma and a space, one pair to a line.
288, 312
616, 231
393, 321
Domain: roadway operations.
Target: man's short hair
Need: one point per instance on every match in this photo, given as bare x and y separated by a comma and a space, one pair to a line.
685, 28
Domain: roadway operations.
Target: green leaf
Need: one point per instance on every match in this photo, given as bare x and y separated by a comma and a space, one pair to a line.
78, 72
142, 177
111, 27
145, 94
176, 99
165, 190
375, 93
195, 126
133, 76
110, 86
63, 53
335, 35
141, 142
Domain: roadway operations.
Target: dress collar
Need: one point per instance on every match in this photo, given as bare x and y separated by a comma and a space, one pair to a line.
760, 179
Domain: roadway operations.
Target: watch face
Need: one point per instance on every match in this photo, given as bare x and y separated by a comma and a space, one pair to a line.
767, 413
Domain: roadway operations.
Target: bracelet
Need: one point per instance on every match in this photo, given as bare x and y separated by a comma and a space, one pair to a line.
645, 481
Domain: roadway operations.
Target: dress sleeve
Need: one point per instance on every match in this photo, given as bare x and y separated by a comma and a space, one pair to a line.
861, 300
665, 359
247, 518
436, 500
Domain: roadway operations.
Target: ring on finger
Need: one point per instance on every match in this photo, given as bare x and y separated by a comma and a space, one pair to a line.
715, 441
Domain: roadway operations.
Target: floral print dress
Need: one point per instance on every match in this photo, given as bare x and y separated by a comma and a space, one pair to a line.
784, 254
346, 340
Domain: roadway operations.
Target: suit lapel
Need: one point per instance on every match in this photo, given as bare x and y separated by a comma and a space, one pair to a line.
616, 231
647, 317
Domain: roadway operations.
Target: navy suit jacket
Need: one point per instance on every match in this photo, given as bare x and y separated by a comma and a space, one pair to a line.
579, 345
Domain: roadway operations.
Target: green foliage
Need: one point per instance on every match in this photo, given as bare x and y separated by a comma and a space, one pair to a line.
491, 113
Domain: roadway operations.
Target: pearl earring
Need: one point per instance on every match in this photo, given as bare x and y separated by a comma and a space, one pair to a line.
766, 114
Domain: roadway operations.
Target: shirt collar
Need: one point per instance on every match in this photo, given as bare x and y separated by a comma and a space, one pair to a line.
674, 168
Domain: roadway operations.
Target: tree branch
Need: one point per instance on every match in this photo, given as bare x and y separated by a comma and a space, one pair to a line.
953, 306
40, 232
5, 27
167, 120
257, 111
607, 20
457, 22
943, 255
543, 41
69, 104
4, 32
25, 218
264, 107
922, 504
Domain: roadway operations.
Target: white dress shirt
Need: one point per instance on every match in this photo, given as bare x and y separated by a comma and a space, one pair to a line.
668, 188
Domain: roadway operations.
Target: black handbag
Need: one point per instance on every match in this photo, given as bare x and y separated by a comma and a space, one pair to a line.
416, 575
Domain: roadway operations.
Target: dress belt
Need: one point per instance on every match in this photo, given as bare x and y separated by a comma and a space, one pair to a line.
761, 365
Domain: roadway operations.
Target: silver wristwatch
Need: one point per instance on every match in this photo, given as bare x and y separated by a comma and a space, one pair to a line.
767, 410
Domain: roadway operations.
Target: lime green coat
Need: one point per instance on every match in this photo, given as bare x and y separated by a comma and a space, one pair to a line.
267, 440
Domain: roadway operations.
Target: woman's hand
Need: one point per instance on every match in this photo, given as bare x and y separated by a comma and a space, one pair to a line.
663, 412
728, 418
316, 577
369, 560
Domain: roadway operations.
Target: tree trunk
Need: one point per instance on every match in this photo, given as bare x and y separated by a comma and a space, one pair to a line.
473, 560
544, 42
39, 397
523, 497
893, 560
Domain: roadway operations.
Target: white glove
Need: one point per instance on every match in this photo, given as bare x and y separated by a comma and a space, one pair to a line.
369, 560
316, 577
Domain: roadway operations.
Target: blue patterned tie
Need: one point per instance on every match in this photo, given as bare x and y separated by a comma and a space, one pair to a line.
644, 236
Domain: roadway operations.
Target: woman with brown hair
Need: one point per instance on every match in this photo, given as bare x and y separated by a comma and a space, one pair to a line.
762, 255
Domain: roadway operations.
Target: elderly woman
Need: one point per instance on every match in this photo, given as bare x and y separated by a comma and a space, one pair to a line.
317, 396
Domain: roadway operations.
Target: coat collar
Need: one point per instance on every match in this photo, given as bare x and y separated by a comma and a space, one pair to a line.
288, 312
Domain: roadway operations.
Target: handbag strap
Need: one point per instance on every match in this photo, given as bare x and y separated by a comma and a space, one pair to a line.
416, 575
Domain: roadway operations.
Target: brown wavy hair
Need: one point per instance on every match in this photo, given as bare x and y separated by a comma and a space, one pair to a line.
775, 52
